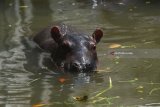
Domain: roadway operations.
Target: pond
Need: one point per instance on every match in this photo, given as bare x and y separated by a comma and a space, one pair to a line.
128, 70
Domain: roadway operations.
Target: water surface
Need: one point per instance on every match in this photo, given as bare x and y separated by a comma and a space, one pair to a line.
27, 77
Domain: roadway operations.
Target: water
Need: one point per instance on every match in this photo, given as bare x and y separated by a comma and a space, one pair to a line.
28, 78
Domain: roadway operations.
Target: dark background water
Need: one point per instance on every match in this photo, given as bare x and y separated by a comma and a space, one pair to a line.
27, 77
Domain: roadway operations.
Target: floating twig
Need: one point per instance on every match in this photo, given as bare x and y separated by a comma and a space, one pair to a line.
29, 83
154, 89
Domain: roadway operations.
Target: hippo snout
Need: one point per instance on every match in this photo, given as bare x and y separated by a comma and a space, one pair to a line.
81, 67
75, 66
70, 50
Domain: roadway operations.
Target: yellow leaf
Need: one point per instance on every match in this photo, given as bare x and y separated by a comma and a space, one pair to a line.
140, 91
61, 80
80, 98
140, 87
38, 105
114, 46
23, 6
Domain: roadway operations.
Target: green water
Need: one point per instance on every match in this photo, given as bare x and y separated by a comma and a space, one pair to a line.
27, 80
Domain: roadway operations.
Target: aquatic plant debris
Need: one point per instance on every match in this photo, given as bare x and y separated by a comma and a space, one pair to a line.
131, 46
107, 69
153, 90
23, 6
29, 83
93, 100
130, 81
39, 105
62, 80
115, 45
103, 91
81, 98
140, 89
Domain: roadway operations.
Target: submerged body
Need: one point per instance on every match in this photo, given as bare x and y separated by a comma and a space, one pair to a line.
74, 51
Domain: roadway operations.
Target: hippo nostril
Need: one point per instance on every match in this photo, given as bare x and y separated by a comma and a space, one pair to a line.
88, 65
75, 65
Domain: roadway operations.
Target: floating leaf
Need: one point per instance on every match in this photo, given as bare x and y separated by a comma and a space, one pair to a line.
100, 70
23, 6
107, 99
140, 87
130, 9
154, 89
140, 91
149, 42
38, 105
81, 98
131, 46
153, 83
134, 67
10, 25
103, 70
130, 81
99, 99
29, 83
117, 62
141, 98
148, 2
61, 80
114, 46
103, 91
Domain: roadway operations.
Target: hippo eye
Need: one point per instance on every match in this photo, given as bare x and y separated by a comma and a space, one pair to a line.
65, 46
93, 47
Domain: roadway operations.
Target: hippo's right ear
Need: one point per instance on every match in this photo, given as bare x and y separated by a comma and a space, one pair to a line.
97, 35
56, 34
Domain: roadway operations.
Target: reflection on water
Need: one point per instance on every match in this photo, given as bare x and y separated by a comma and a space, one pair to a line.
28, 77
14, 77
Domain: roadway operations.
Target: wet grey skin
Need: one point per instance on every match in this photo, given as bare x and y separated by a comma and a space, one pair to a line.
70, 50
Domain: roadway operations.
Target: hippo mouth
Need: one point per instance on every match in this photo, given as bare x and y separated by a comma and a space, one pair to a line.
70, 50
72, 67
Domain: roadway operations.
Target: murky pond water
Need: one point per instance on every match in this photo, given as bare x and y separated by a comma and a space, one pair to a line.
129, 76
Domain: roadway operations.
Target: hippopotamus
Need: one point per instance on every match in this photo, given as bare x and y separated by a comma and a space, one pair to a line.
70, 49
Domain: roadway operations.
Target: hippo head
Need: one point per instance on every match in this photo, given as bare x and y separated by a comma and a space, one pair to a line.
76, 52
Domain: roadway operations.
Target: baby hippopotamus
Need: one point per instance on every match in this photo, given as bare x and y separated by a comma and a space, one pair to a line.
71, 50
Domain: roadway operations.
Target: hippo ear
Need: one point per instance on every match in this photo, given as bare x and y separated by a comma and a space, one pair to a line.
56, 34
97, 35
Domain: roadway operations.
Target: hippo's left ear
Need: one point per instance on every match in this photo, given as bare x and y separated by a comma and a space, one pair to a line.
56, 34
97, 35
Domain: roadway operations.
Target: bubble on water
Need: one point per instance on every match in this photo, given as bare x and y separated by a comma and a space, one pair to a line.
10, 25
73, 4
10, 4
